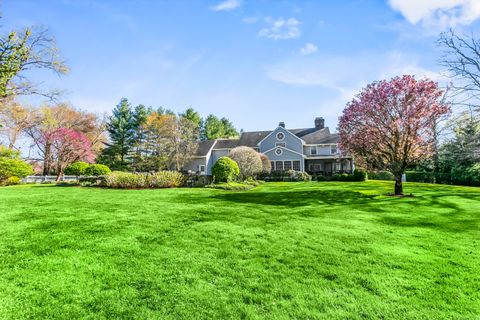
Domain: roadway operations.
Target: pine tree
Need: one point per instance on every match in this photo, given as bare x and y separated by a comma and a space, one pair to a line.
121, 129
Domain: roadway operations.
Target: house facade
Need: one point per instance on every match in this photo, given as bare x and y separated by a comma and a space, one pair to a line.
313, 150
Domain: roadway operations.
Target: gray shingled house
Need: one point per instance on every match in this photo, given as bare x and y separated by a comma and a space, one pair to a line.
313, 150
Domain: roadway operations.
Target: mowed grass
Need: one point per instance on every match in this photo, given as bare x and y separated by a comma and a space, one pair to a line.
280, 251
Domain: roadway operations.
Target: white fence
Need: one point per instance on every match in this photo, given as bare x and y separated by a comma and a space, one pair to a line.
43, 179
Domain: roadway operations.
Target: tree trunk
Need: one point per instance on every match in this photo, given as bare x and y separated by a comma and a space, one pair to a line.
46, 160
398, 184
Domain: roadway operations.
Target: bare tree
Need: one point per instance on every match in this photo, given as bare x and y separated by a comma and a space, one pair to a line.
23, 51
461, 58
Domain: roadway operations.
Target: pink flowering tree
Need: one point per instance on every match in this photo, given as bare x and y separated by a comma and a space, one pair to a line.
391, 124
67, 147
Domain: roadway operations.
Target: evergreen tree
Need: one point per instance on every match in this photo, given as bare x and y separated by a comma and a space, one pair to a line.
213, 128
194, 117
121, 129
229, 130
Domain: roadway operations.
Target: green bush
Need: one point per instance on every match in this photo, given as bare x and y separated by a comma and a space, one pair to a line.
225, 170
14, 168
342, 177
380, 175
97, 170
161, 179
11, 181
289, 175
77, 168
360, 175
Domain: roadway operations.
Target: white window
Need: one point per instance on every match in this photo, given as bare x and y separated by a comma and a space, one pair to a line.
296, 165
333, 149
280, 144
201, 168
272, 164
280, 136
279, 165
278, 152
313, 150
287, 165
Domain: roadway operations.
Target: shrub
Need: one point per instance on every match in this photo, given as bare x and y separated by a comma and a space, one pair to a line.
161, 179
11, 181
248, 160
225, 170
266, 164
77, 168
380, 175
320, 178
360, 175
342, 177
14, 168
289, 175
97, 170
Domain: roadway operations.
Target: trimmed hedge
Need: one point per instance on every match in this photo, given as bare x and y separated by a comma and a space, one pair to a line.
77, 168
161, 179
380, 175
225, 170
460, 176
289, 175
97, 170
358, 175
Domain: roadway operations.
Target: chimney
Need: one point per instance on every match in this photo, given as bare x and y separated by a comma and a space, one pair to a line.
281, 124
319, 123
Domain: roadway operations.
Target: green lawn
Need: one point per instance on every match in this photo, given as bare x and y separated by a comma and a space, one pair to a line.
282, 250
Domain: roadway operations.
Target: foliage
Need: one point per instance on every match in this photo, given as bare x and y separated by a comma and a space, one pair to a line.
469, 176
215, 128
11, 181
194, 118
77, 168
67, 147
391, 124
248, 160
380, 175
97, 170
266, 164
24, 51
14, 119
121, 130
11, 165
225, 170
360, 174
161, 179
371, 251
288, 175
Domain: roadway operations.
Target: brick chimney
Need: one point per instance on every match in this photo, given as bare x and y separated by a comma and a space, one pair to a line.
319, 123
281, 124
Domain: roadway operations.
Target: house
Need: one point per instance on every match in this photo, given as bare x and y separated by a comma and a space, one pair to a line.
313, 150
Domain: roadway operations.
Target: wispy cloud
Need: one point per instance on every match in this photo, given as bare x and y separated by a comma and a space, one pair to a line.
227, 5
309, 48
250, 20
440, 14
281, 28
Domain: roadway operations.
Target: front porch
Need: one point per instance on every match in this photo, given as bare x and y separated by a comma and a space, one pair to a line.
329, 166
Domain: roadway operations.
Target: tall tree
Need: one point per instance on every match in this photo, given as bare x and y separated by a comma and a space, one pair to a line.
461, 57
391, 124
21, 52
140, 115
14, 119
215, 128
121, 130
193, 116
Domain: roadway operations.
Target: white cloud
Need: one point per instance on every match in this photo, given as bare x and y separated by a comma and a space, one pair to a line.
226, 5
309, 48
438, 13
250, 20
281, 29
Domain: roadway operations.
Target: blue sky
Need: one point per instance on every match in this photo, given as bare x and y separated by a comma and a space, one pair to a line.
256, 62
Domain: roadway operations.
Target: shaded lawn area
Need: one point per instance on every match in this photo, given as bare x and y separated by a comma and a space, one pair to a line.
282, 250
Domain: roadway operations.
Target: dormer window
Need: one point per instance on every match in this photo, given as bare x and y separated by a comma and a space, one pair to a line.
280, 136
313, 150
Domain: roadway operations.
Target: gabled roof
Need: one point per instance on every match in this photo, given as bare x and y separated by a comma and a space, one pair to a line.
251, 139
226, 143
204, 147
320, 136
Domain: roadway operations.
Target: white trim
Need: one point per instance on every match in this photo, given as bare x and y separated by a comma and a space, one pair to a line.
285, 149
278, 149
268, 135
319, 144
283, 134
